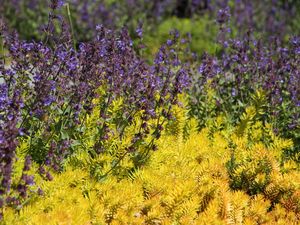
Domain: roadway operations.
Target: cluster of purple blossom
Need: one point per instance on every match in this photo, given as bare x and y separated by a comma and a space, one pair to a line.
48, 87
269, 17
246, 64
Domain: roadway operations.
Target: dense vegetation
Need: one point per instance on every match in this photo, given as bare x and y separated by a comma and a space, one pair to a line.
149, 112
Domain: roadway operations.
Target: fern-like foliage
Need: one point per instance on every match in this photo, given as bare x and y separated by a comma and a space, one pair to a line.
190, 184
253, 112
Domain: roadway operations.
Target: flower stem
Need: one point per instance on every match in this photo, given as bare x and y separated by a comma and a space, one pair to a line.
71, 25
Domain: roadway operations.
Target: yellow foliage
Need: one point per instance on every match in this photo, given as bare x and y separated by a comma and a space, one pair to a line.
190, 184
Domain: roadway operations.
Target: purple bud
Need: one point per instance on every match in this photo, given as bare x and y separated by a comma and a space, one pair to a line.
40, 191
27, 163
169, 42
49, 176
42, 170
223, 15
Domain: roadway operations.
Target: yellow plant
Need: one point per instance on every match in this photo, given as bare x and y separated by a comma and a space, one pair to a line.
184, 182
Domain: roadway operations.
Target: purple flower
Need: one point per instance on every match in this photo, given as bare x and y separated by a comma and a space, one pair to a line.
233, 92
169, 42
42, 170
139, 30
295, 40
49, 176
223, 15
56, 4
48, 101
159, 57
40, 191
27, 163
28, 179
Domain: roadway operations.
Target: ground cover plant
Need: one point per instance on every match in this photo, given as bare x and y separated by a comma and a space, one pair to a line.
243, 66
228, 178
149, 112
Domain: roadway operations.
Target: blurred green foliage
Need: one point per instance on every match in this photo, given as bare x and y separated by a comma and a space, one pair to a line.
203, 32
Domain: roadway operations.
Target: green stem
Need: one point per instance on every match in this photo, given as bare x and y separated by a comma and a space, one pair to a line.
62, 124
71, 25
115, 165
1, 48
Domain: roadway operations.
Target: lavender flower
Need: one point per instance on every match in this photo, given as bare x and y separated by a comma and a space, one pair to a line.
223, 15
55, 4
